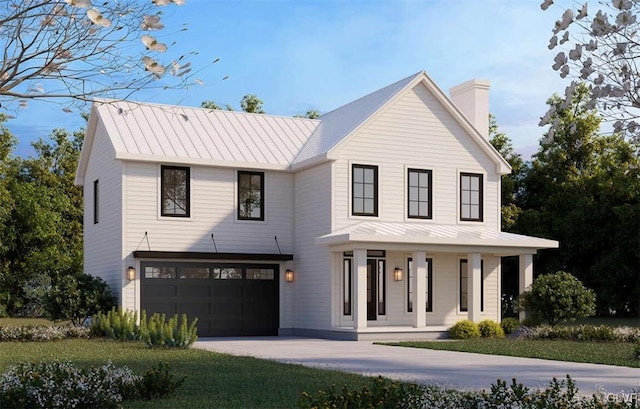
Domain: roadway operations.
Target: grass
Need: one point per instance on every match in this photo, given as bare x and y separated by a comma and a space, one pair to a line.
212, 379
19, 322
609, 353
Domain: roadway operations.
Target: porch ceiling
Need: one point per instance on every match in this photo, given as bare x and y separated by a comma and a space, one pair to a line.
448, 238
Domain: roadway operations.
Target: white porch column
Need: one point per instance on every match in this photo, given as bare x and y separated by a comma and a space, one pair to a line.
360, 288
526, 276
474, 275
419, 278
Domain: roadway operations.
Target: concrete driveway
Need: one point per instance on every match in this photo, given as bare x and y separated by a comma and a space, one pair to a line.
456, 369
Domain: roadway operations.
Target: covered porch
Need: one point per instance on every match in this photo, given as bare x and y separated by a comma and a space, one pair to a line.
393, 280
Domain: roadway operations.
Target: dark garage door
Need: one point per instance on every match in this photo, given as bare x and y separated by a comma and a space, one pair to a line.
228, 299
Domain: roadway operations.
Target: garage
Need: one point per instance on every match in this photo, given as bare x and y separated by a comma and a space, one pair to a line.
229, 299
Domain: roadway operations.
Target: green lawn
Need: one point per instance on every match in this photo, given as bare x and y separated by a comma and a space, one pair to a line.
213, 380
18, 322
610, 353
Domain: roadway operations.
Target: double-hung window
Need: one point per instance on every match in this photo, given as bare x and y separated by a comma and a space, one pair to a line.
419, 194
250, 195
471, 197
175, 197
364, 190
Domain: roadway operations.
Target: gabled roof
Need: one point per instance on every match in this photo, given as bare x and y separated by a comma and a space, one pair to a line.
433, 234
341, 122
164, 133
174, 134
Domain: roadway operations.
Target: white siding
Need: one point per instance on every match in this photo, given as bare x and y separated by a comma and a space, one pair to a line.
102, 241
213, 211
313, 301
415, 131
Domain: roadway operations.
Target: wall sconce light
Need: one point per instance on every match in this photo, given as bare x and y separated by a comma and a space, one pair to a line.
397, 274
288, 276
131, 273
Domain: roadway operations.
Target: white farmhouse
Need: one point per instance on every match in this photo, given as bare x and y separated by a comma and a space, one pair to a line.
380, 219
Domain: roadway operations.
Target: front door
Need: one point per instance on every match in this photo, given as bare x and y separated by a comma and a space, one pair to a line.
376, 294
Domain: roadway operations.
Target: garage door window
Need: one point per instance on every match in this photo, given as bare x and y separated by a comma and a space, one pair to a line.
227, 273
260, 274
195, 272
160, 272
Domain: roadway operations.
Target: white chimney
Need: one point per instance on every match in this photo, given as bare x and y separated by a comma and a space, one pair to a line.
472, 98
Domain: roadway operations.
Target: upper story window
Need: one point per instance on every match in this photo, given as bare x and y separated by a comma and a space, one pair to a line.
175, 185
471, 197
364, 190
250, 195
419, 194
96, 202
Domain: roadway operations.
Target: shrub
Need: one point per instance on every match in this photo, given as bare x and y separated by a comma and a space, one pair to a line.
558, 297
490, 329
78, 297
158, 332
509, 325
42, 332
464, 329
589, 333
62, 385
381, 394
158, 382
636, 351
117, 324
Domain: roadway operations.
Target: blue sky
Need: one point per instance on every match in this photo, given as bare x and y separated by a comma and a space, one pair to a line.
298, 55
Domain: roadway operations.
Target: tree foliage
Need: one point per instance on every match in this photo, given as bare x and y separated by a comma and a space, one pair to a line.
558, 297
600, 48
250, 103
41, 229
77, 297
583, 189
78, 50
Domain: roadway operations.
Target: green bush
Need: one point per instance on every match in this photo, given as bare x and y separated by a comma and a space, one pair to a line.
78, 297
63, 385
636, 351
117, 324
381, 394
158, 332
464, 329
158, 382
558, 297
588, 333
490, 329
509, 325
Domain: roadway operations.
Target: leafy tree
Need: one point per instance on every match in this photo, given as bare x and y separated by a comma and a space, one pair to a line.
213, 105
510, 183
77, 50
311, 114
601, 48
558, 297
252, 104
42, 233
583, 189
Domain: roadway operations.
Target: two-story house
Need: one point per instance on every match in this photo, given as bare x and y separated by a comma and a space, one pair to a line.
378, 219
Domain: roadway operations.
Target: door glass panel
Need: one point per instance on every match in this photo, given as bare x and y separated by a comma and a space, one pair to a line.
381, 288
346, 287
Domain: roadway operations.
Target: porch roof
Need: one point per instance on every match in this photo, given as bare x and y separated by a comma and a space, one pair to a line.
444, 237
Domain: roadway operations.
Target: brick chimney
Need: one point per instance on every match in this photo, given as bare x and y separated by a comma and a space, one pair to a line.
472, 99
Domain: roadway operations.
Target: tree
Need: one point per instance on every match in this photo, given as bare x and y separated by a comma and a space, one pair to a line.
510, 183
558, 297
42, 233
208, 104
601, 49
76, 50
583, 189
78, 297
252, 104
311, 114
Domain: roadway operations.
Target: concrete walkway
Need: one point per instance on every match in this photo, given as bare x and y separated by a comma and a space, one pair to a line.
456, 369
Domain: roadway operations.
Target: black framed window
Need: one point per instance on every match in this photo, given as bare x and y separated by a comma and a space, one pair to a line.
419, 194
250, 195
96, 201
471, 192
428, 290
364, 190
175, 185
464, 276
347, 273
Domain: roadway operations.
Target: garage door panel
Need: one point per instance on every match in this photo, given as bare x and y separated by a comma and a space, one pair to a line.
242, 303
